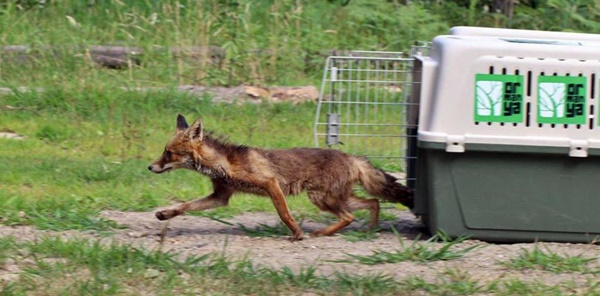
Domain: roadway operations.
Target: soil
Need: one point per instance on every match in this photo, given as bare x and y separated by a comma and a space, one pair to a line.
194, 235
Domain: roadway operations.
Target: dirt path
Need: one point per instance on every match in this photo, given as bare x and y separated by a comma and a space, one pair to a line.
199, 235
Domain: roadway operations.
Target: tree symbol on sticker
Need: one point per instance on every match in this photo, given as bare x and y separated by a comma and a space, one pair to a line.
489, 98
552, 100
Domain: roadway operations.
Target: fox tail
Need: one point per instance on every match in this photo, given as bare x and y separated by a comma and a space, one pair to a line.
379, 183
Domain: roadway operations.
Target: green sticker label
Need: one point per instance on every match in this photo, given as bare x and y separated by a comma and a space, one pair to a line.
561, 99
498, 98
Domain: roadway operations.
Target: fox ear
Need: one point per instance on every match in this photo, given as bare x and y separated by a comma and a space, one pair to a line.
182, 125
196, 131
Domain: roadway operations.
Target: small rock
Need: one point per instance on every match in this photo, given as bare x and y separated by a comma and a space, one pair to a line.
9, 277
13, 136
151, 273
138, 234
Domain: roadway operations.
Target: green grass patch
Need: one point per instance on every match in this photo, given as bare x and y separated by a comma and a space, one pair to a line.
75, 162
360, 235
86, 151
418, 251
548, 260
450, 282
264, 230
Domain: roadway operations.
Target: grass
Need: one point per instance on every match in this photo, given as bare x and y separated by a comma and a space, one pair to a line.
75, 163
54, 266
548, 260
264, 230
450, 282
93, 268
417, 251
272, 42
360, 235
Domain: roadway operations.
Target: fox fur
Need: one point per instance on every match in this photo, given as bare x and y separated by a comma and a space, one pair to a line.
327, 175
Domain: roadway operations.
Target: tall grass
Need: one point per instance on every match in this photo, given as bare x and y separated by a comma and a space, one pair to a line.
262, 42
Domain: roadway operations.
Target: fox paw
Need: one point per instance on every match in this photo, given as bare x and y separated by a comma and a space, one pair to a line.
166, 214
297, 237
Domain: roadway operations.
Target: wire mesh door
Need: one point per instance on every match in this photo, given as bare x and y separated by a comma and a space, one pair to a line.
363, 107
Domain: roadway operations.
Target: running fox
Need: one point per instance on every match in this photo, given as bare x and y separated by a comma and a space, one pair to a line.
327, 175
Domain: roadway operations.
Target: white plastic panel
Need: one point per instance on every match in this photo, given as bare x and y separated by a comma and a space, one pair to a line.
496, 90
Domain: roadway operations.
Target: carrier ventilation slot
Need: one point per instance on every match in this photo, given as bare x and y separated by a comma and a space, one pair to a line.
593, 86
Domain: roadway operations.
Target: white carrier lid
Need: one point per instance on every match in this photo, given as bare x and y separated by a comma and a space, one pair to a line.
511, 87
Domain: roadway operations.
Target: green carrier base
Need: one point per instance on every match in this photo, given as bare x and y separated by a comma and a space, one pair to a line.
509, 193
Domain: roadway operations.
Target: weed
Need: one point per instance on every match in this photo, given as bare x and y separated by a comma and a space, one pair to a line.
356, 236
450, 282
264, 230
519, 287
548, 260
417, 251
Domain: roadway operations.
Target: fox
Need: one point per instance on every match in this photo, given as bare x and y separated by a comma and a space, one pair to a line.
327, 175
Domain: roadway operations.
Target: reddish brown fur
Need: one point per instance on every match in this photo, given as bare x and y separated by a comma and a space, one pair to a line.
327, 175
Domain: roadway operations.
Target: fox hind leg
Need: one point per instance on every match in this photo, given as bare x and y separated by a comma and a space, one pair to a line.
354, 203
336, 206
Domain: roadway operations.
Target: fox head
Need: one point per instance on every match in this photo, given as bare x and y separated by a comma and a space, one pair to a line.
182, 151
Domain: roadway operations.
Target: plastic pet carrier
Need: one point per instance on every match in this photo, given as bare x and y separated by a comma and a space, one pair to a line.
500, 137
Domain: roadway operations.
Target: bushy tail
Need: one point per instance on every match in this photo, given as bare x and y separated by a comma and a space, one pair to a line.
381, 184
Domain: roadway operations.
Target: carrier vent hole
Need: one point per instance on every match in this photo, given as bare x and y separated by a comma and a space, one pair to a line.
593, 86
527, 113
591, 123
491, 69
529, 83
503, 71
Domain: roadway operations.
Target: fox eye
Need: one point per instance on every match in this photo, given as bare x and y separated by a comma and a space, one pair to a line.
168, 154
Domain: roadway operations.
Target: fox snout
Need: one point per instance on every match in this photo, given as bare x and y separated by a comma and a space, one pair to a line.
158, 169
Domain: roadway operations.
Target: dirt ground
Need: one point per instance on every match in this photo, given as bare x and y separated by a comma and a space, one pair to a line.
195, 235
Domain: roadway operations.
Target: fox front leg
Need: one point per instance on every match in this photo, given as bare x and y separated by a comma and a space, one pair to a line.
219, 198
283, 211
